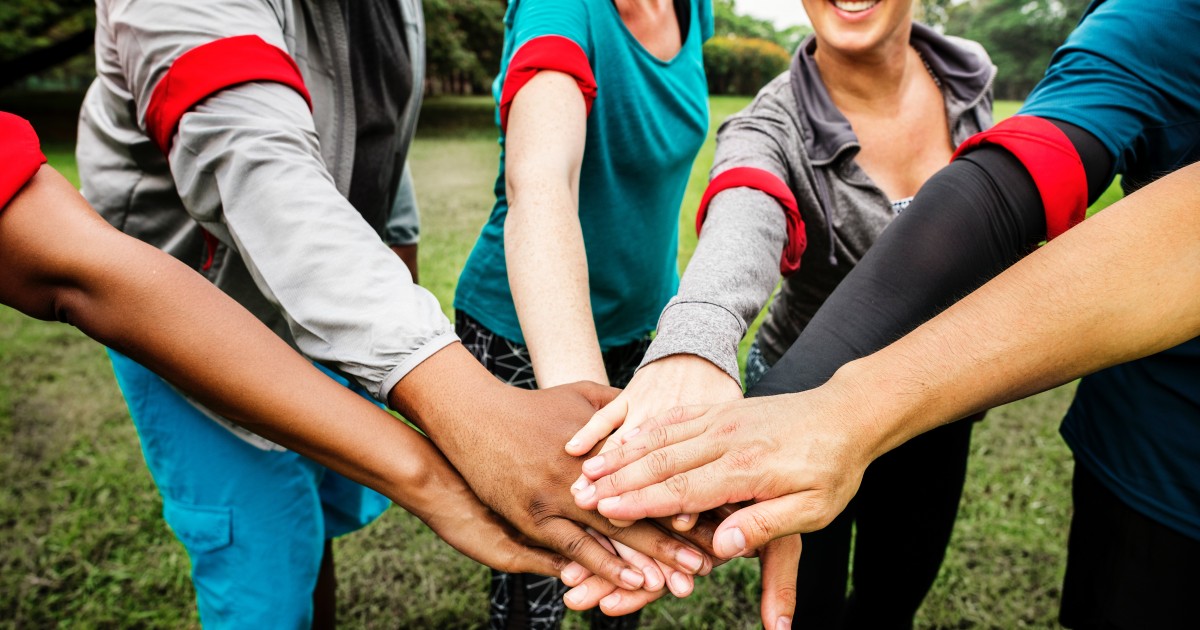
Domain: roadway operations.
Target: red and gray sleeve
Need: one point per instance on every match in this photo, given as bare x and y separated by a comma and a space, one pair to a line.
217, 91
20, 156
750, 231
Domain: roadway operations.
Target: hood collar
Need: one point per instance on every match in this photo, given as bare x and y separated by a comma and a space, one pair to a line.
964, 76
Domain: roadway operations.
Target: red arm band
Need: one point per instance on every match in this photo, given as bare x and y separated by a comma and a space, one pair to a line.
763, 181
1051, 160
20, 156
550, 52
210, 68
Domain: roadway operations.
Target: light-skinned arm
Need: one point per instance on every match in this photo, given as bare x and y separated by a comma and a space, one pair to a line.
1122, 285
543, 241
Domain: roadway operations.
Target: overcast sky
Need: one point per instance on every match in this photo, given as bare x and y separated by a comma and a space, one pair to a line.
783, 13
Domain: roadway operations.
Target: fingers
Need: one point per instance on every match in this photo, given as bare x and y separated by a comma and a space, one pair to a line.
526, 559
654, 579
703, 488
646, 442
684, 522
780, 559
660, 545
578, 545
674, 415
602, 423
754, 526
623, 602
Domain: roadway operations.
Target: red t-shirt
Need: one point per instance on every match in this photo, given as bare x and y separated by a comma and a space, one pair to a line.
20, 156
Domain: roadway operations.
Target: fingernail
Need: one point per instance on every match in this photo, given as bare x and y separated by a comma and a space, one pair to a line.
572, 573
784, 623
577, 595
733, 542
680, 585
683, 519
594, 465
586, 493
611, 601
654, 579
579, 484
632, 578
689, 559
573, 444
629, 436
610, 502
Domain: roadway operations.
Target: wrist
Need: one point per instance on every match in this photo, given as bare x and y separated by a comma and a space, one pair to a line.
879, 411
443, 395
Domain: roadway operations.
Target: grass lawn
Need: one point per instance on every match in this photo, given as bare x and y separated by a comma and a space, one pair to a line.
82, 542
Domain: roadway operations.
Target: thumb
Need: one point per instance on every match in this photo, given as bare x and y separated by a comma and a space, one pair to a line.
601, 424
754, 526
780, 560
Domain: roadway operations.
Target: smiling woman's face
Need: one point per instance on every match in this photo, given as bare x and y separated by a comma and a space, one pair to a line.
856, 27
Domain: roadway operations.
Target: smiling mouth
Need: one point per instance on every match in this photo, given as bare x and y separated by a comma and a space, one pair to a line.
855, 6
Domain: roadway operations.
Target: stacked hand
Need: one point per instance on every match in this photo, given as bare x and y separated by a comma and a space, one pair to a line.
669, 384
496, 437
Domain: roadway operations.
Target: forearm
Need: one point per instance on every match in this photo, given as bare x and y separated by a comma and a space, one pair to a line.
62, 261
728, 280
543, 240
1122, 285
247, 165
547, 271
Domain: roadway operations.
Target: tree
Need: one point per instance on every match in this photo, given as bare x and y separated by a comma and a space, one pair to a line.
728, 23
1020, 36
464, 39
37, 35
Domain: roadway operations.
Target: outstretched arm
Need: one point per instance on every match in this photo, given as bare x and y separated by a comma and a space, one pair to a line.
1123, 285
60, 260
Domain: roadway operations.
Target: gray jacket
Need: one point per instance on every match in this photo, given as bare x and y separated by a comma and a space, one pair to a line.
266, 176
794, 131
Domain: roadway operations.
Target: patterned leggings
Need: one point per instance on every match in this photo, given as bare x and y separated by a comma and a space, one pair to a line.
520, 601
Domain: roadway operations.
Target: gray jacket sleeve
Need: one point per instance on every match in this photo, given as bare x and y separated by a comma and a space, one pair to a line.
404, 224
247, 165
736, 264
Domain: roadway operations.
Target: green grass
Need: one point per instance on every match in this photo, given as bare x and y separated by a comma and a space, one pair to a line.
82, 542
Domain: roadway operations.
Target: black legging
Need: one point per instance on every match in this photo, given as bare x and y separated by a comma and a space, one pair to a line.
969, 222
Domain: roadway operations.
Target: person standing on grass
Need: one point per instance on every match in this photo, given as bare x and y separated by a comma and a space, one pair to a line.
804, 180
1122, 95
602, 106
252, 141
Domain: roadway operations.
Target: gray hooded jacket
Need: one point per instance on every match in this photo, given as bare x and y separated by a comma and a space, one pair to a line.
793, 131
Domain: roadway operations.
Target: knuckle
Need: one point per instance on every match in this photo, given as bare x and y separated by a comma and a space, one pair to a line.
659, 464
762, 524
678, 487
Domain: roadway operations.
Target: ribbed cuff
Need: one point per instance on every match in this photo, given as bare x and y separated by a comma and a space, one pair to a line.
413, 360
700, 328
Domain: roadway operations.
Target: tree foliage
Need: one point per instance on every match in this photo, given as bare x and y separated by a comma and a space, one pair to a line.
728, 23
464, 39
742, 65
1020, 35
37, 35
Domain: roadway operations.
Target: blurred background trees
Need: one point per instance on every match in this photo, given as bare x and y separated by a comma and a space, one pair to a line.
45, 44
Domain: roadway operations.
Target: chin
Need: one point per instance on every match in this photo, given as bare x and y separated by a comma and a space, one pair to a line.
857, 26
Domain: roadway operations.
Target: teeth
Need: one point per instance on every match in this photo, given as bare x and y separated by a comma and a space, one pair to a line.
854, 6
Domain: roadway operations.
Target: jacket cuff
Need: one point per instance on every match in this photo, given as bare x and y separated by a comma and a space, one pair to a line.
413, 360
706, 330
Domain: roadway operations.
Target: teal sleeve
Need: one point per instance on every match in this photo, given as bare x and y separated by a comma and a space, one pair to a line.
1122, 75
705, 11
530, 19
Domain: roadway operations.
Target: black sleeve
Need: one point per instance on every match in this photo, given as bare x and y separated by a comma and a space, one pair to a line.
969, 222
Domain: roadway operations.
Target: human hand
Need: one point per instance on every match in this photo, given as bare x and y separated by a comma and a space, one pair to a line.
501, 439
675, 381
799, 457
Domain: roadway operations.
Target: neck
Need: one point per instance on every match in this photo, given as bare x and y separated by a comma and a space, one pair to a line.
872, 79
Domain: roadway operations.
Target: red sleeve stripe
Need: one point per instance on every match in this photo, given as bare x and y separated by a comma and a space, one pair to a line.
1051, 159
767, 182
20, 156
210, 68
550, 52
